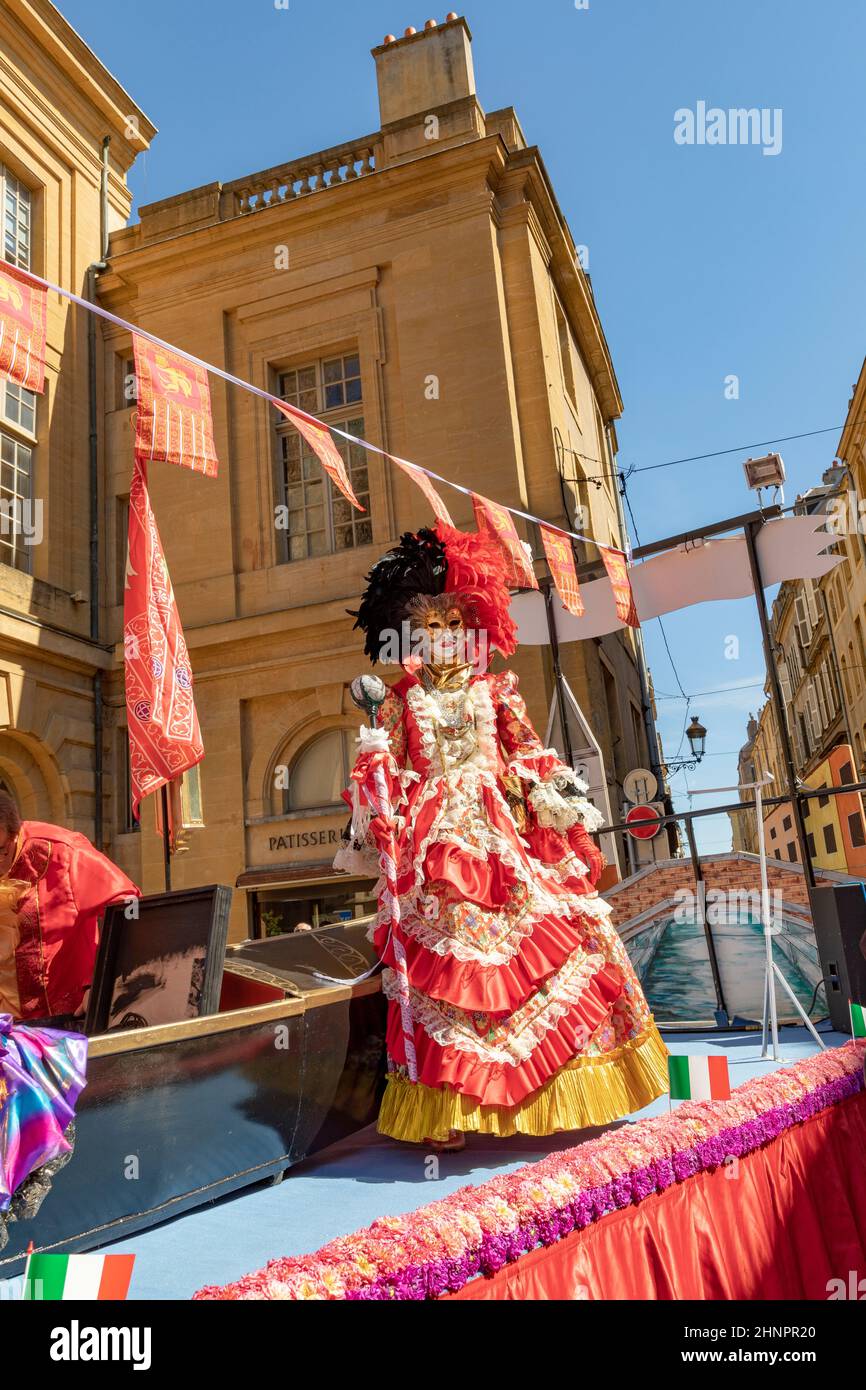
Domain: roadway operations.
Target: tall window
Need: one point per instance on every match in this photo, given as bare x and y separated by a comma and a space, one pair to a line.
321, 771
320, 520
17, 405
17, 219
16, 491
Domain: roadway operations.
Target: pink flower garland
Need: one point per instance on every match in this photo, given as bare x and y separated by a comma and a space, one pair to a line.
477, 1230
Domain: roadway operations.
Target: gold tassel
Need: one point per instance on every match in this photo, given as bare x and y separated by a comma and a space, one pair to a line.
585, 1092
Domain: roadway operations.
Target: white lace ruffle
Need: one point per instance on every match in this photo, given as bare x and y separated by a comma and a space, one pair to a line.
350, 859
558, 812
521, 1034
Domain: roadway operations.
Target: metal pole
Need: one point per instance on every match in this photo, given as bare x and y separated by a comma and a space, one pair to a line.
166, 839
557, 669
751, 530
708, 933
770, 987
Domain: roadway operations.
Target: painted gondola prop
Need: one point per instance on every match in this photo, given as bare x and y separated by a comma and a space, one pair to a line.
277, 1052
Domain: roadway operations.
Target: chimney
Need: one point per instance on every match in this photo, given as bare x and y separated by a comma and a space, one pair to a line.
427, 89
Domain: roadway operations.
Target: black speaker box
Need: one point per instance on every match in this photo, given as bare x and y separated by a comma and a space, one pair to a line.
839, 917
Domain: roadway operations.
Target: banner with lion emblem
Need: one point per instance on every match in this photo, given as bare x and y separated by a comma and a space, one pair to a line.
174, 422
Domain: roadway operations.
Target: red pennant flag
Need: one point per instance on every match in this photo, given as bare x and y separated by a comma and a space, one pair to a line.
174, 421
164, 735
617, 570
23, 309
491, 516
560, 558
322, 444
420, 477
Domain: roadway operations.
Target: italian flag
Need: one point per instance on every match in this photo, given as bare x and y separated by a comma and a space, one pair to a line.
77, 1278
858, 1019
699, 1078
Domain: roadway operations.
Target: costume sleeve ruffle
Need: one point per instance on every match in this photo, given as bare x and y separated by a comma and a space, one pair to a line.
557, 796
358, 853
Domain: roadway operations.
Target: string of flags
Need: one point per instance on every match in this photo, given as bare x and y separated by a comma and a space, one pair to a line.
174, 424
21, 316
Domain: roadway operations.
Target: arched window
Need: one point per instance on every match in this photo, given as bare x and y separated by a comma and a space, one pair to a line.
320, 772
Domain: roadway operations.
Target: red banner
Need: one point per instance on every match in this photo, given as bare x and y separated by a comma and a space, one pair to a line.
174, 421
491, 516
23, 308
440, 511
617, 570
322, 444
164, 735
560, 558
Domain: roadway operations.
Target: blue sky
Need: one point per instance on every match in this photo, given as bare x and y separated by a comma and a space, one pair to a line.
706, 260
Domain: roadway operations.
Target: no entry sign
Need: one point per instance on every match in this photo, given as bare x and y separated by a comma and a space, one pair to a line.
643, 832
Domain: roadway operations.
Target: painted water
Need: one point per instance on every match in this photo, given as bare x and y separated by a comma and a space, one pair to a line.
678, 981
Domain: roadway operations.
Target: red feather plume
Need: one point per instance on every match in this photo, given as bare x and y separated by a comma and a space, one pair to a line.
474, 569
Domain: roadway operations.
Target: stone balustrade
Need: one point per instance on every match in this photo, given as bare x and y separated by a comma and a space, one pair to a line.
299, 177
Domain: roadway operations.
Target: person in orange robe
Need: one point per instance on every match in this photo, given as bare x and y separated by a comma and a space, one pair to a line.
54, 887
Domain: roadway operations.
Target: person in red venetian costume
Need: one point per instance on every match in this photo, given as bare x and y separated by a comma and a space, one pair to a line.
54, 887
513, 1005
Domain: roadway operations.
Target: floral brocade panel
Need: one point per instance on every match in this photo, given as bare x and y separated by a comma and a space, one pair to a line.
484, 930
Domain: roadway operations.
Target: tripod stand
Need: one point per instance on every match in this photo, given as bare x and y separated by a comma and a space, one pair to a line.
772, 973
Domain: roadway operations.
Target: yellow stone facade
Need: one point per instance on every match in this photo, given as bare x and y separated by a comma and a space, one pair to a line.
419, 286
58, 105
819, 627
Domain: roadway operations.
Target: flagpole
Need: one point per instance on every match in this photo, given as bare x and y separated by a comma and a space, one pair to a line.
166, 838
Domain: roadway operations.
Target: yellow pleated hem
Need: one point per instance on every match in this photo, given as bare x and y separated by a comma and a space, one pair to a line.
587, 1091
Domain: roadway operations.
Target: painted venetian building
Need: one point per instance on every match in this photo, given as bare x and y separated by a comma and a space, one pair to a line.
846, 587
420, 287
818, 636
68, 135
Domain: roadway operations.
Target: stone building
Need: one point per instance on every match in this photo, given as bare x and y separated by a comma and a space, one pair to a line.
818, 631
66, 144
419, 286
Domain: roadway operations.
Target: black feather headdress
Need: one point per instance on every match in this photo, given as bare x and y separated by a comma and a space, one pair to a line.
416, 566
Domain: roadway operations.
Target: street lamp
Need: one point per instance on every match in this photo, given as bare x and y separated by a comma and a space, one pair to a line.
697, 737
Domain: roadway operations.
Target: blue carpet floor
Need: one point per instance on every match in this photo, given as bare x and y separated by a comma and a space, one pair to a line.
348, 1185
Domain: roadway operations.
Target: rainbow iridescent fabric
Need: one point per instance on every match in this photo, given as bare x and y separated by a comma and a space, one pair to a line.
42, 1074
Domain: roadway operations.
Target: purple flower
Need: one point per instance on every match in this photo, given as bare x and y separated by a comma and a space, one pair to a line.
665, 1174
437, 1278
495, 1252
643, 1181
621, 1189
685, 1164
602, 1200
582, 1208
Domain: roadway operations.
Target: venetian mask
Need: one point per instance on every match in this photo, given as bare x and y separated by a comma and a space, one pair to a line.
440, 629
